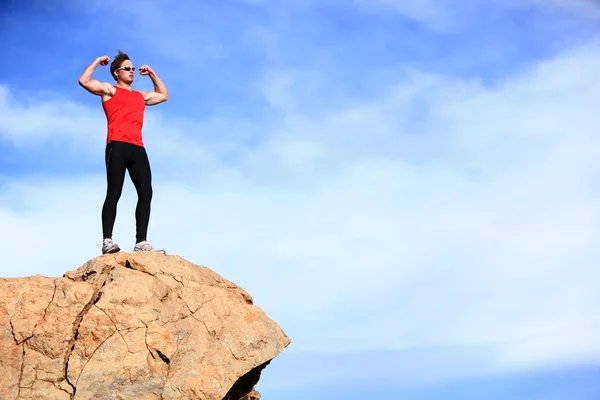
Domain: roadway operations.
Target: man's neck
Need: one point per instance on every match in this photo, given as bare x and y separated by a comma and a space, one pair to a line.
124, 85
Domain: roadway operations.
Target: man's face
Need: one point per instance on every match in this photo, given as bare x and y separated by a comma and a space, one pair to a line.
122, 72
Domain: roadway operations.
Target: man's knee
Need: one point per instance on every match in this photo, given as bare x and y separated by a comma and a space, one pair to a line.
114, 192
145, 194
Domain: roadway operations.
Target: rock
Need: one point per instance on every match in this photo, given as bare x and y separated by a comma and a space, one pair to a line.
133, 326
254, 395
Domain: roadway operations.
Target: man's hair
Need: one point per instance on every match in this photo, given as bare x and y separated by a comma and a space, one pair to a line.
117, 63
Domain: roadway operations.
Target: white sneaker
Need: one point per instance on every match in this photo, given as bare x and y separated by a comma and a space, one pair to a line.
109, 247
145, 246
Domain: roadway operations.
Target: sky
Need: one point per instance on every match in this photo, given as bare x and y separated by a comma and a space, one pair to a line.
410, 189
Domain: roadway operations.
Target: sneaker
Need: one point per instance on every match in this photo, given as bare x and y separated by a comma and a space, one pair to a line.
109, 247
145, 246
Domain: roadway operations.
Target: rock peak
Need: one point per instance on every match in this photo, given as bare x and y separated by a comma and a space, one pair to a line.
133, 326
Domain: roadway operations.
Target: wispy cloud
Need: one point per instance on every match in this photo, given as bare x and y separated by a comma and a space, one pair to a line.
435, 14
26, 122
585, 8
465, 229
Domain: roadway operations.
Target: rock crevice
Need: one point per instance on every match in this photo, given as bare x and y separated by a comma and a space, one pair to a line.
94, 299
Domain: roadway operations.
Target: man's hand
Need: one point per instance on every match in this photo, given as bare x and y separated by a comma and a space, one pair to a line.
93, 86
103, 60
160, 93
146, 70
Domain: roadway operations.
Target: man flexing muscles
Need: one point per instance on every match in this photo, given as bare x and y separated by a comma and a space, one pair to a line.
124, 110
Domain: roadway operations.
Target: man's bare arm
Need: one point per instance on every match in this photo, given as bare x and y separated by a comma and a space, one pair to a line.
92, 85
160, 93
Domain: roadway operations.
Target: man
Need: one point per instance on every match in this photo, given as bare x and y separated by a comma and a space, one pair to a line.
124, 110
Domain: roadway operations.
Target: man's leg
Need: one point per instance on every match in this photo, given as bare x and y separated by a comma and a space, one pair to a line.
141, 176
116, 159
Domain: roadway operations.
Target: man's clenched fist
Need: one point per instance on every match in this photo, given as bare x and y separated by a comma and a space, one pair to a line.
145, 70
103, 60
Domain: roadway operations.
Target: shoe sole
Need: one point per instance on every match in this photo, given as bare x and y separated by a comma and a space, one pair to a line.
112, 251
150, 251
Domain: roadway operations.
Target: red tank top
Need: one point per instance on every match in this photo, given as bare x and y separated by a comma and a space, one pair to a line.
125, 116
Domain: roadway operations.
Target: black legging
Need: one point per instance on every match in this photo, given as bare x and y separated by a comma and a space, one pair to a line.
121, 156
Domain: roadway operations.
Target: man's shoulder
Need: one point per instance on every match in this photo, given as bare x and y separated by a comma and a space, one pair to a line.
142, 94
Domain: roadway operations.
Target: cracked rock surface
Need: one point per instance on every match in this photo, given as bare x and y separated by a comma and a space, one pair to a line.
133, 326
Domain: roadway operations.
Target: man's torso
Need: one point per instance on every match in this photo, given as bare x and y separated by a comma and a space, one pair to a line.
124, 112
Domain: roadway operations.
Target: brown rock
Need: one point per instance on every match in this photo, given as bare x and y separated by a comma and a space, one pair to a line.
133, 326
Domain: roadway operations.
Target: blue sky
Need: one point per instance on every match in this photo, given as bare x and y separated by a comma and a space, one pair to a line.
410, 189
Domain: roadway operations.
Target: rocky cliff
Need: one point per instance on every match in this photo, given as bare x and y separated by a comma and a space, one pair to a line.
133, 326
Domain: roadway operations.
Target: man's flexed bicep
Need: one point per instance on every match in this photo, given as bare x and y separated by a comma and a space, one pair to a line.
94, 86
160, 93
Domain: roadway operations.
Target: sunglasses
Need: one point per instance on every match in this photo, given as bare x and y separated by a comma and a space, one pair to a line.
126, 68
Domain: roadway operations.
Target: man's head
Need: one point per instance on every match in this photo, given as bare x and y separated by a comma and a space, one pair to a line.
121, 68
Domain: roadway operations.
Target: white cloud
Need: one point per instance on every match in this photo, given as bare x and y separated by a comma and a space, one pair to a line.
23, 122
436, 14
447, 15
365, 227
586, 8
